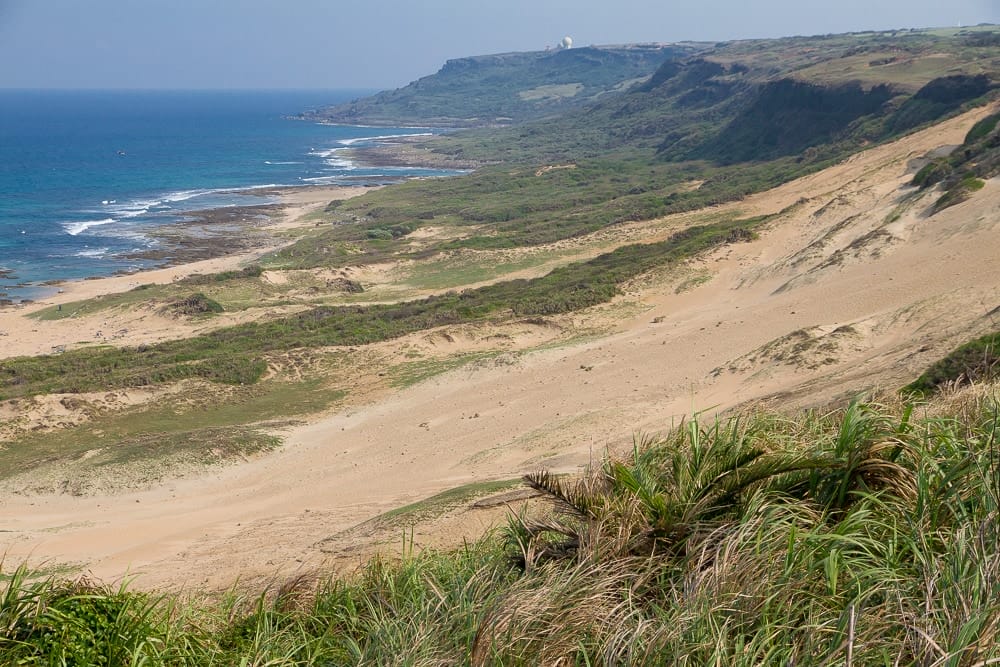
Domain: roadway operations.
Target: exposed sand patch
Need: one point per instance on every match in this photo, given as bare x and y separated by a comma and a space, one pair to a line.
553, 167
56, 411
876, 318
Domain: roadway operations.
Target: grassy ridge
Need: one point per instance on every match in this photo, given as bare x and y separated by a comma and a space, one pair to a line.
866, 536
960, 174
235, 354
487, 89
689, 107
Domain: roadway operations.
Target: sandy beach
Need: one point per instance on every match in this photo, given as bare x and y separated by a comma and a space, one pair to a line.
852, 287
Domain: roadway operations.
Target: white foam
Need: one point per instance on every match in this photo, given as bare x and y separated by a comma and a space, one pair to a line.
383, 137
340, 163
93, 252
184, 195
332, 157
134, 208
321, 179
140, 207
76, 228
326, 152
286, 162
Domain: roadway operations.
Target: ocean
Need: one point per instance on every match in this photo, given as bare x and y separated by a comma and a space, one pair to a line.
85, 175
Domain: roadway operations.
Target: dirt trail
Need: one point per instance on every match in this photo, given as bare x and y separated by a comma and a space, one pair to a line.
853, 287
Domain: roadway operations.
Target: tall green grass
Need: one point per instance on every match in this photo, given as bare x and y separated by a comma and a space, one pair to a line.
863, 536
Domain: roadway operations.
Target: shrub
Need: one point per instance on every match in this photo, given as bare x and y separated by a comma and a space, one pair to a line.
379, 234
932, 173
195, 304
982, 129
974, 361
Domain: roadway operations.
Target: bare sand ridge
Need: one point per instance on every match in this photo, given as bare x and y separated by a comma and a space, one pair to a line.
853, 286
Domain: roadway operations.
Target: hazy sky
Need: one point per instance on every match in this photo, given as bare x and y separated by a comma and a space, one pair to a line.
384, 43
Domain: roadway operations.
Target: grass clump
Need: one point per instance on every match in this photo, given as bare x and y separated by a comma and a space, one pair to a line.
932, 173
982, 129
864, 536
959, 192
249, 271
962, 173
61, 622
195, 304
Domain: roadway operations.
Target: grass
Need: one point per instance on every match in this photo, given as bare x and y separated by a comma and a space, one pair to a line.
445, 501
961, 174
507, 207
975, 361
233, 295
447, 272
123, 300
862, 536
413, 372
197, 426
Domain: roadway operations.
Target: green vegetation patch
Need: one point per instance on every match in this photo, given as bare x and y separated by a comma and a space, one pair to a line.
251, 271
962, 173
414, 372
982, 129
62, 622
141, 295
197, 426
441, 503
959, 192
551, 92
195, 304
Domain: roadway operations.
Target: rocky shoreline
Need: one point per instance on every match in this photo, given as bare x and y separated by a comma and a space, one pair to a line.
212, 233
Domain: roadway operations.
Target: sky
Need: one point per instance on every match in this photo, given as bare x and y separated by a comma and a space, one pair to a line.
327, 44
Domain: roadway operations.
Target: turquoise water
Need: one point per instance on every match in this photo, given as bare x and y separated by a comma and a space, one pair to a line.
85, 175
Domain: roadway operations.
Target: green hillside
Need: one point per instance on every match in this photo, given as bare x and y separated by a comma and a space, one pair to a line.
760, 99
509, 87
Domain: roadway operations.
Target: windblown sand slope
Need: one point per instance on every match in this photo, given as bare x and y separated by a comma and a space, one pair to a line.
853, 286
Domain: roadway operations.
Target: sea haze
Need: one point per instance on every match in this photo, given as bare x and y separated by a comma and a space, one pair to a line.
85, 175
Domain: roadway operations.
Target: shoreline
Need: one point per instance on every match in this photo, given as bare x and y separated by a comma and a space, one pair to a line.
843, 327
295, 203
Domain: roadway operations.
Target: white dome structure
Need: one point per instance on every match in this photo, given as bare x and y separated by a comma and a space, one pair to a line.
566, 43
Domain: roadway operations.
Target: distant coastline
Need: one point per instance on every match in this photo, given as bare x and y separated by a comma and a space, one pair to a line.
106, 183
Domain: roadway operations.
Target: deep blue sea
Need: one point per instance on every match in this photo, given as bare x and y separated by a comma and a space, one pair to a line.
84, 175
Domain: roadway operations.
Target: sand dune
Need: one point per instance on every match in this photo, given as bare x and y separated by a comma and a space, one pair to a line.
853, 287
